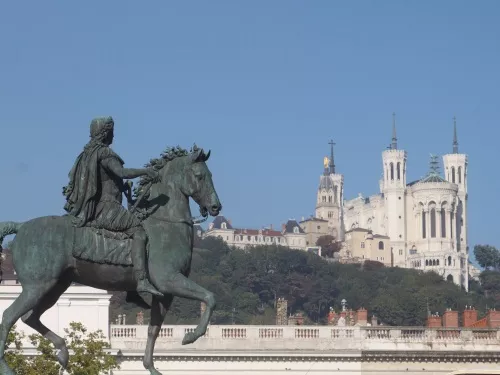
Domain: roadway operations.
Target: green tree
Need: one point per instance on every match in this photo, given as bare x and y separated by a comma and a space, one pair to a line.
329, 245
487, 256
14, 353
89, 353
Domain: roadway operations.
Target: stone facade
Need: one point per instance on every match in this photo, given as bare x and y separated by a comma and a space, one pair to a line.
291, 234
83, 304
311, 349
314, 228
362, 244
422, 223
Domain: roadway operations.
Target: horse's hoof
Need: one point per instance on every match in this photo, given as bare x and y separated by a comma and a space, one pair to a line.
63, 358
189, 338
5, 369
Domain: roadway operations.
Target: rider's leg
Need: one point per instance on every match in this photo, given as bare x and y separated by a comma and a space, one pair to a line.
139, 260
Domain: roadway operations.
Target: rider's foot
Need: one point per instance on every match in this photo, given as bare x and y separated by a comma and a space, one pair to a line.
144, 286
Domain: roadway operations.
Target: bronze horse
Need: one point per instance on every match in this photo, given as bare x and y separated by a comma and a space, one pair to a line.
44, 260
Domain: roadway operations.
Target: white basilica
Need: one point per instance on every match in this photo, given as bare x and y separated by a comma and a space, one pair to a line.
424, 222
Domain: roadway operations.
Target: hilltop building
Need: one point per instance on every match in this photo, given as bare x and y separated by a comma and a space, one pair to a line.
291, 234
421, 224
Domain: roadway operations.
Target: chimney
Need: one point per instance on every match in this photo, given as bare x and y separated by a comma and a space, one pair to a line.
469, 316
374, 321
202, 308
139, 320
331, 317
271, 227
362, 317
493, 318
281, 312
433, 321
450, 319
229, 221
283, 227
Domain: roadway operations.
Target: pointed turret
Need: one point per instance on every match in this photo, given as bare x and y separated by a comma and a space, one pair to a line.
394, 144
332, 162
455, 138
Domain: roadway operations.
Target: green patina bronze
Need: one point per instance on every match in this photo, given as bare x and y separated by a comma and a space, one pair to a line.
99, 243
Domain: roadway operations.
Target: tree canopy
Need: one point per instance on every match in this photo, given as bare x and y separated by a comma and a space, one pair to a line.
250, 281
487, 256
89, 353
329, 245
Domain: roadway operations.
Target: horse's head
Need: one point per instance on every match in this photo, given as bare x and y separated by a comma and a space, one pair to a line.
195, 181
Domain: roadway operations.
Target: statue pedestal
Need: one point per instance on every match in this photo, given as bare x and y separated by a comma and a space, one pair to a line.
81, 304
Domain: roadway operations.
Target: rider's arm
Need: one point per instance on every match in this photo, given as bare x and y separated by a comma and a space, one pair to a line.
115, 167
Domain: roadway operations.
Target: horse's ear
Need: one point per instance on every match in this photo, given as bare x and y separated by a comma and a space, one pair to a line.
207, 155
197, 155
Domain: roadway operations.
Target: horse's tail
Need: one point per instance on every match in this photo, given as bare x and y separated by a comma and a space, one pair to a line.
8, 227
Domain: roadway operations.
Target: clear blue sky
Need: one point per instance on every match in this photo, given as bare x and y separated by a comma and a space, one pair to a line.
264, 84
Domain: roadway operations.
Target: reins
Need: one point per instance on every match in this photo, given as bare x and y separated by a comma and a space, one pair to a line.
191, 222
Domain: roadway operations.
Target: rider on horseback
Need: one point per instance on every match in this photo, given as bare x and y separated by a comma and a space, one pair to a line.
94, 194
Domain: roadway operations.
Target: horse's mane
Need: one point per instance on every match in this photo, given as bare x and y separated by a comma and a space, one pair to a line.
166, 156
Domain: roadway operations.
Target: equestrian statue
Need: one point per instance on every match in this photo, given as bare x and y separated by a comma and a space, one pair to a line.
145, 248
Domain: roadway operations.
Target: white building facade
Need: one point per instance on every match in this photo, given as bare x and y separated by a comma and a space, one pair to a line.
291, 234
425, 220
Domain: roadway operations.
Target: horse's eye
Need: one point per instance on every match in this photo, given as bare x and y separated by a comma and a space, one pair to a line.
198, 176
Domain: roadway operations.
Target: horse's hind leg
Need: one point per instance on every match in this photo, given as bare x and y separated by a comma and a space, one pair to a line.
26, 301
159, 308
180, 286
32, 319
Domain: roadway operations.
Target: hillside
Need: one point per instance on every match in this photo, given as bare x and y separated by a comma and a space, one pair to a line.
249, 282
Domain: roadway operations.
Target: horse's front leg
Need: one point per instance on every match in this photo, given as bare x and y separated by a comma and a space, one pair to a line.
181, 286
159, 308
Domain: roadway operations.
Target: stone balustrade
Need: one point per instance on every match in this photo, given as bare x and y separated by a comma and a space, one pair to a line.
238, 338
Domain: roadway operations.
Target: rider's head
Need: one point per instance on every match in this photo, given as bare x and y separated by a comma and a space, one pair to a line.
101, 129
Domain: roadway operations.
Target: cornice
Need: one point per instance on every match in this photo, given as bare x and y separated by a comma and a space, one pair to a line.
339, 356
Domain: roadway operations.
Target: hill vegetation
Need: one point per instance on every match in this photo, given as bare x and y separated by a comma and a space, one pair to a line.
247, 283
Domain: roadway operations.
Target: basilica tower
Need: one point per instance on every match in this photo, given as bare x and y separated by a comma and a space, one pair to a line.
456, 170
330, 197
394, 192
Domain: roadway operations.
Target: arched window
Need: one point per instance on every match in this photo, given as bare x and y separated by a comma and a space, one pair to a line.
449, 260
459, 175
424, 233
453, 174
296, 230
381, 245
426, 262
433, 222
449, 278
329, 199
437, 262
223, 226
392, 171
399, 171
323, 199
443, 222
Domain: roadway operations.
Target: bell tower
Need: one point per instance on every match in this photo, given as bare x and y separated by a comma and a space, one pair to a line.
456, 170
330, 195
394, 192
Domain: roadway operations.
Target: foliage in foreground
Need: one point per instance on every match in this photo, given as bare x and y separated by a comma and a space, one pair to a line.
250, 281
89, 353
